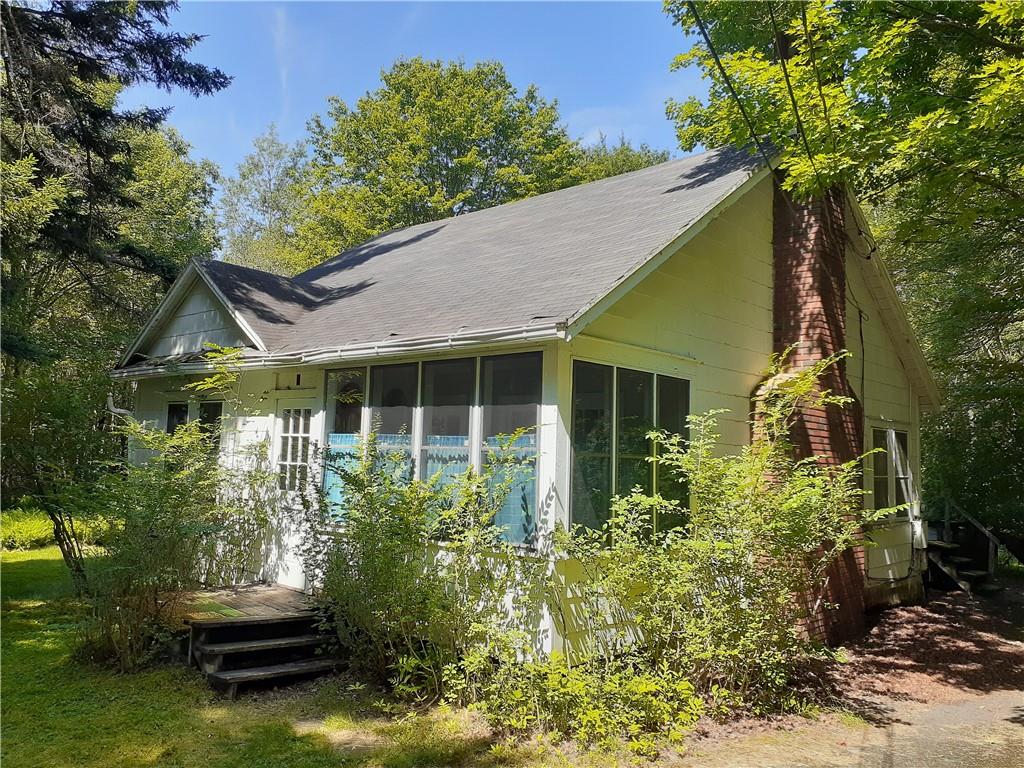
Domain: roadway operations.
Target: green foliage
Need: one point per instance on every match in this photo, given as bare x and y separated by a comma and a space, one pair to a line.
416, 577
720, 600
178, 520
261, 205
919, 107
599, 161
435, 140
64, 64
597, 704
27, 527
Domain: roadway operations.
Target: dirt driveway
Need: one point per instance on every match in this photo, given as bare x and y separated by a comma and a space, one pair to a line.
933, 686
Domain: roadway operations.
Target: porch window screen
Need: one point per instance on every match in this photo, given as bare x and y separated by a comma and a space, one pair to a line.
393, 391
177, 414
293, 449
613, 410
347, 392
892, 481
448, 393
510, 400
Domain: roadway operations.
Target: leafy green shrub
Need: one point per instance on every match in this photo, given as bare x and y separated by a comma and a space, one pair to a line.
416, 577
26, 527
182, 520
597, 703
721, 599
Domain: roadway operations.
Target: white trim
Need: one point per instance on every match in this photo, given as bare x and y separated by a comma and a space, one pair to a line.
362, 352
235, 315
174, 296
583, 317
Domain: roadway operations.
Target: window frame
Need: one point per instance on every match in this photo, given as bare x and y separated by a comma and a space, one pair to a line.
657, 374
418, 428
892, 476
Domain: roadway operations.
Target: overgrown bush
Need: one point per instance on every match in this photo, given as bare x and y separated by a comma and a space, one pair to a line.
416, 577
26, 526
181, 520
660, 626
721, 600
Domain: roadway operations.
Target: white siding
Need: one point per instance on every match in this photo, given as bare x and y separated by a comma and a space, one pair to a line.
199, 319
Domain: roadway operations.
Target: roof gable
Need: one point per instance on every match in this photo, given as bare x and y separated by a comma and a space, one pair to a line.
192, 316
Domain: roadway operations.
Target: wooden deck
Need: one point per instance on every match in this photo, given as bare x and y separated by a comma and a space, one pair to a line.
248, 600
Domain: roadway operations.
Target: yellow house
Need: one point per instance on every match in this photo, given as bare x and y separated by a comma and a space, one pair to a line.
593, 314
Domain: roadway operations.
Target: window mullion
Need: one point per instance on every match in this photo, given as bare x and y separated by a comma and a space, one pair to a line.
416, 438
476, 422
614, 447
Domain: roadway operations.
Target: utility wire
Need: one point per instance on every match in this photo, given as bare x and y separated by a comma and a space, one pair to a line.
792, 98
728, 83
817, 73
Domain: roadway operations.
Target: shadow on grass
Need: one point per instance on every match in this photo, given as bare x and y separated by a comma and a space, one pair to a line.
60, 713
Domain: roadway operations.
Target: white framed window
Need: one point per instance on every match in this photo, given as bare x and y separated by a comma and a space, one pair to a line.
892, 481
293, 445
613, 409
177, 414
445, 415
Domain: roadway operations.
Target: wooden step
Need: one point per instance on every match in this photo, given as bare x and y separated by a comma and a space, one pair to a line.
269, 644
972, 574
232, 678
943, 545
960, 559
250, 621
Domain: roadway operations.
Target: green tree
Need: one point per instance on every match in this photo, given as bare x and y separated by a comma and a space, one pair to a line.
919, 108
435, 140
599, 161
261, 205
64, 64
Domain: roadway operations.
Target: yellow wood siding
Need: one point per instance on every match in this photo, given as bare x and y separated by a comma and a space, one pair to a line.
705, 314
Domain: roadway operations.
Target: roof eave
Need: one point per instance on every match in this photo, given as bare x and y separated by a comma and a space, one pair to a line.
515, 335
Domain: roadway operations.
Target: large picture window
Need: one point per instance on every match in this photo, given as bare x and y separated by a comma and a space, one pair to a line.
448, 415
892, 480
613, 409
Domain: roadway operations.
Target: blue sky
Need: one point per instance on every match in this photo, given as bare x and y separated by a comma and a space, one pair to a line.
607, 64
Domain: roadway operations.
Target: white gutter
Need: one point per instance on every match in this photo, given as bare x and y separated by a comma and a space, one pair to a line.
363, 351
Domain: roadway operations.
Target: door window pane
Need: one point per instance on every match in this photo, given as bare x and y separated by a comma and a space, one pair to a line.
634, 419
591, 442
177, 414
510, 401
448, 389
392, 399
293, 448
673, 408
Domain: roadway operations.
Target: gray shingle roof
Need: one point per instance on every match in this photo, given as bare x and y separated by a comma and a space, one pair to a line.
539, 260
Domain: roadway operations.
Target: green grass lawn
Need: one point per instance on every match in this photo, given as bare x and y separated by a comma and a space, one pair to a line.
57, 712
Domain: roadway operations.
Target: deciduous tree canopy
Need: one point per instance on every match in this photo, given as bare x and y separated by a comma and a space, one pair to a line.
919, 107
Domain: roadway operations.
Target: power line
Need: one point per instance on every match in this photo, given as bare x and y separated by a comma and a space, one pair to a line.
817, 73
792, 98
728, 83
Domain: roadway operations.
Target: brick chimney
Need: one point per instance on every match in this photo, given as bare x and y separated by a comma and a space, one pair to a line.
809, 242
